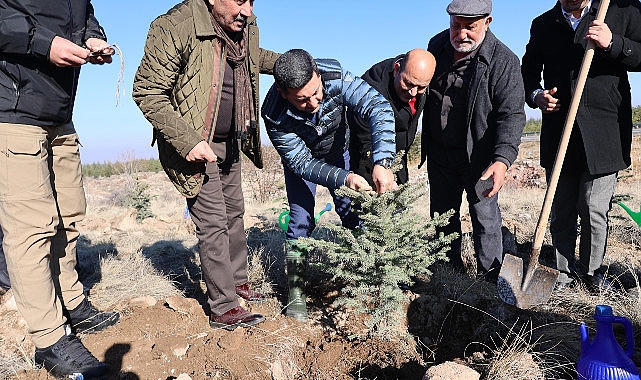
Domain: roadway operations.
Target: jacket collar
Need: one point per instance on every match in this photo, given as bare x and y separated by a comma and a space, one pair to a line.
202, 20
486, 50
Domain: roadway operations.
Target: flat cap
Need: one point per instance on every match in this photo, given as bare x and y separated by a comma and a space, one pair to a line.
470, 8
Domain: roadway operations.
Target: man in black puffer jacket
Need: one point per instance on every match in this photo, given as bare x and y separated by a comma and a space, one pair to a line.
402, 81
42, 46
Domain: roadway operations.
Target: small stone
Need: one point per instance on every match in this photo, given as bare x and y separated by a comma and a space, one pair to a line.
183, 376
180, 350
451, 370
146, 301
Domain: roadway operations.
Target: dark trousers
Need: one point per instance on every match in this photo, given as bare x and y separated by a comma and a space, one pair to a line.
5, 283
588, 197
446, 193
301, 196
217, 212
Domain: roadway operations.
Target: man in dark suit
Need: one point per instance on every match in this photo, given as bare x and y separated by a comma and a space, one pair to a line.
601, 138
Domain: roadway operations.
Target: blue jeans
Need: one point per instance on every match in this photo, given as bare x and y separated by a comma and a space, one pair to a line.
301, 196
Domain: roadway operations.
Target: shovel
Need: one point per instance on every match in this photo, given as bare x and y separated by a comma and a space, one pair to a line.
531, 286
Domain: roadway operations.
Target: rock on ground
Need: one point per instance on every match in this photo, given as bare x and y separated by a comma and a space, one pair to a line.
451, 370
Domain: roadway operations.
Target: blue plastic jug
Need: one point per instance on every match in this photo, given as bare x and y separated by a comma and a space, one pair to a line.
604, 358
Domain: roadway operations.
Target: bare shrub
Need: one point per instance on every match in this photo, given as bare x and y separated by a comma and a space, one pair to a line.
14, 357
266, 184
257, 269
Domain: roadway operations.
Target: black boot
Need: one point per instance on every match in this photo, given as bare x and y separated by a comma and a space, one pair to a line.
68, 356
86, 319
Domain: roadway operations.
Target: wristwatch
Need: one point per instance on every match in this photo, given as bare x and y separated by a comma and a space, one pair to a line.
534, 94
385, 162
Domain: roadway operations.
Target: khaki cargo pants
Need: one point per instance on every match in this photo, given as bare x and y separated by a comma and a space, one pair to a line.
41, 199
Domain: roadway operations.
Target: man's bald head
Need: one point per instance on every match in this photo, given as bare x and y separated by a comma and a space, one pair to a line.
413, 73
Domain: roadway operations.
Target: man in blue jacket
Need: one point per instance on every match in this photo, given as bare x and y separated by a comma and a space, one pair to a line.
43, 44
472, 127
304, 113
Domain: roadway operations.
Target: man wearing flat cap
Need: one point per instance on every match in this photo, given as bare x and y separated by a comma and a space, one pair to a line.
472, 128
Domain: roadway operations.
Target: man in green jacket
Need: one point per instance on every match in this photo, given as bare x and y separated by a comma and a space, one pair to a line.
198, 86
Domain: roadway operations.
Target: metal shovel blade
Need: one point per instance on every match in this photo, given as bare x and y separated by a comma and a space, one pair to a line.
522, 291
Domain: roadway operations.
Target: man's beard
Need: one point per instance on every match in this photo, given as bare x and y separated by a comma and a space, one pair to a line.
468, 45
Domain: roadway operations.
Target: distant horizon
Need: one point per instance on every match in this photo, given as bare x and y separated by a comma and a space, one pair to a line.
361, 34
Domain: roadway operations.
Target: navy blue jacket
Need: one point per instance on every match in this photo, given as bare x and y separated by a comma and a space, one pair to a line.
33, 90
304, 145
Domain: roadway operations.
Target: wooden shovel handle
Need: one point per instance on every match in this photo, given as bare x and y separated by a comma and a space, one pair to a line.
563, 145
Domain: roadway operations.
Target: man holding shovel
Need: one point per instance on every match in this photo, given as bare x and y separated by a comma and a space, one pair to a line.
599, 145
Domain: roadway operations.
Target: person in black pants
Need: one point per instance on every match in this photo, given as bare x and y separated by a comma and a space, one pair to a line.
472, 127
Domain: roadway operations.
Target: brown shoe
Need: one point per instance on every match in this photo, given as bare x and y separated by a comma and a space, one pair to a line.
244, 292
234, 318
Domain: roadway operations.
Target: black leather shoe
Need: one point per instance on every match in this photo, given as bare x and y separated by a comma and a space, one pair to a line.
68, 356
236, 317
248, 294
86, 319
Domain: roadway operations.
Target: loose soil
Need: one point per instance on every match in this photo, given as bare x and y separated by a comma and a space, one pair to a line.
450, 316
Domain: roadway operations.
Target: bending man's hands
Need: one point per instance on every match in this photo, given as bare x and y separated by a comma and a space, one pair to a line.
356, 182
383, 179
496, 171
201, 153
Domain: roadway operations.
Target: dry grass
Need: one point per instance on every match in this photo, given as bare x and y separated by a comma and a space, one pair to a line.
130, 277
517, 358
14, 357
159, 258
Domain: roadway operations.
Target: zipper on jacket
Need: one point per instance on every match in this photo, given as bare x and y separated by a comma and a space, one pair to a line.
14, 82
70, 20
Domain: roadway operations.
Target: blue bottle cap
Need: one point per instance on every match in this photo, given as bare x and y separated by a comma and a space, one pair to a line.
603, 310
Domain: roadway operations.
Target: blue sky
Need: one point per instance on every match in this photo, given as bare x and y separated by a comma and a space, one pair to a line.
358, 33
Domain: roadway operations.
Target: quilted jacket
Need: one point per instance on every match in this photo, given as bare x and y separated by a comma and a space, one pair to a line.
305, 140
181, 70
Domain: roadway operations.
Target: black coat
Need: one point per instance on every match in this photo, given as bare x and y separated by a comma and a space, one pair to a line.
381, 77
495, 114
33, 90
602, 134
